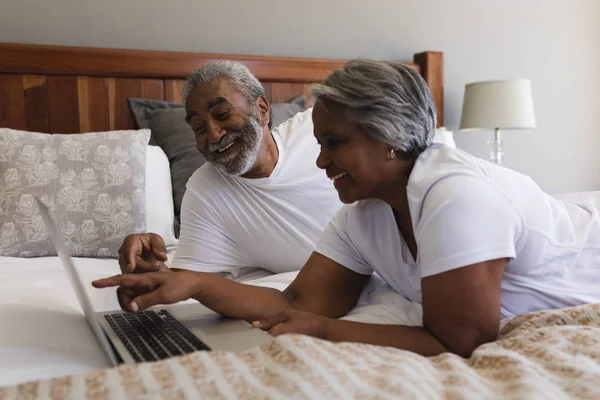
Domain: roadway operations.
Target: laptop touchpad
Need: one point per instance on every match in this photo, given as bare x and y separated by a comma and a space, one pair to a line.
218, 326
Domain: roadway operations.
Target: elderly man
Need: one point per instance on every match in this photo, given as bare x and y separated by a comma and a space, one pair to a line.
259, 204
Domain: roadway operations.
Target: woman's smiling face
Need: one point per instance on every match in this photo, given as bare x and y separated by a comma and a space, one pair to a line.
360, 166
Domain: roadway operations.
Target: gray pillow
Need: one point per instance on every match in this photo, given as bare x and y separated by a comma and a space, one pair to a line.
169, 130
93, 183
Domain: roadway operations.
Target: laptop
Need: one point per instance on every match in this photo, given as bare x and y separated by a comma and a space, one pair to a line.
158, 332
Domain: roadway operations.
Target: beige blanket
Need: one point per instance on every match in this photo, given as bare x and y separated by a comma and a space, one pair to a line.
552, 354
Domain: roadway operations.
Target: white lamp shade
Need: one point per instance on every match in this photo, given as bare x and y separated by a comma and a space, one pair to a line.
498, 105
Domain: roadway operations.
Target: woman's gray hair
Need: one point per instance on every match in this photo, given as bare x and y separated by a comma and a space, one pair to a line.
390, 101
238, 73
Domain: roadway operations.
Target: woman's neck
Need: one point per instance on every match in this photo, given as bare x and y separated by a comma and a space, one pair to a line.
394, 192
397, 197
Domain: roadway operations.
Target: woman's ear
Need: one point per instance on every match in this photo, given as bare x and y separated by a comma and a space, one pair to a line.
263, 110
392, 154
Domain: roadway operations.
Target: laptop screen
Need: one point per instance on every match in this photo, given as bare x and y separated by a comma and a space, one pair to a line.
57, 240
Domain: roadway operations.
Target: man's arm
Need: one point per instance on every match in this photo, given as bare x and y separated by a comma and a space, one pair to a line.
323, 286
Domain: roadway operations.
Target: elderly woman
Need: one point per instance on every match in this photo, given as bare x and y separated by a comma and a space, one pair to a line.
471, 241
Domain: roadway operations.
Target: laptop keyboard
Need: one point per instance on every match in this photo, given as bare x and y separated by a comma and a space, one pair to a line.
153, 335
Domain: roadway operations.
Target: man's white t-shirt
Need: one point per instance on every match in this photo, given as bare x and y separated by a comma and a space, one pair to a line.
464, 211
229, 223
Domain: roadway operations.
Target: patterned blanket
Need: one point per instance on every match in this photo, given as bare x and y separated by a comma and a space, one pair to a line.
551, 354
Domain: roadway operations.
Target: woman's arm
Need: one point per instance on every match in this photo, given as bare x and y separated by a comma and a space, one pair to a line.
461, 310
325, 287
461, 307
322, 286
411, 338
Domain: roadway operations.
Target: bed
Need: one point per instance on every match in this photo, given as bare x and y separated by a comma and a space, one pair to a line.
70, 90
47, 349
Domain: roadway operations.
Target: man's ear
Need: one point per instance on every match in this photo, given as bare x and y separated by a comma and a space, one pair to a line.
263, 110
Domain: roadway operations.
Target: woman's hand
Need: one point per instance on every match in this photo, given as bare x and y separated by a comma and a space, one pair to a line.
294, 321
138, 292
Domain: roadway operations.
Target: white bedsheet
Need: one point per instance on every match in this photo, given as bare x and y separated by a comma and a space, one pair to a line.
42, 331
44, 334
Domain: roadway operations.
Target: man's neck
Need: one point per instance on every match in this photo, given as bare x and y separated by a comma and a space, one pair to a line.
267, 157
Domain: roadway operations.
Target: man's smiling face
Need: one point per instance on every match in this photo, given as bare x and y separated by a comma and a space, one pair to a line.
228, 132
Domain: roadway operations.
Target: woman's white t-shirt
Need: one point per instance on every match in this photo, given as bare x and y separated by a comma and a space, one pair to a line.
464, 211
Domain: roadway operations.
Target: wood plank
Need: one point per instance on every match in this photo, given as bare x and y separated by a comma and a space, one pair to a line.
110, 91
432, 69
12, 102
66, 60
306, 92
93, 104
173, 90
283, 92
267, 87
153, 89
63, 105
36, 103
119, 90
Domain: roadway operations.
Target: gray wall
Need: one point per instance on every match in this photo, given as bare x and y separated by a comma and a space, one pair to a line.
555, 43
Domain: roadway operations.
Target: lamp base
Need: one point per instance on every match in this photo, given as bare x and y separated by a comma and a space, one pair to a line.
497, 155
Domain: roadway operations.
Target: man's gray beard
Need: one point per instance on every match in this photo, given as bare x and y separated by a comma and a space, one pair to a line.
248, 141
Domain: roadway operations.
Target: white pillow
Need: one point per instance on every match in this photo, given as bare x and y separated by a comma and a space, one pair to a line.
445, 137
160, 214
92, 183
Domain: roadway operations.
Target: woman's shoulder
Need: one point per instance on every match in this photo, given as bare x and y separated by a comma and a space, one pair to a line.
441, 159
450, 178
440, 163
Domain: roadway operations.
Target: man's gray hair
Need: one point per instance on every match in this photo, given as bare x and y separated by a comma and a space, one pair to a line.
390, 101
244, 81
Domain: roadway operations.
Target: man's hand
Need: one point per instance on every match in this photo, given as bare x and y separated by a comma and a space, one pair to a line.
145, 252
138, 292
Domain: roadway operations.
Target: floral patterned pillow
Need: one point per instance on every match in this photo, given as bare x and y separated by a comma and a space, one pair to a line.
93, 183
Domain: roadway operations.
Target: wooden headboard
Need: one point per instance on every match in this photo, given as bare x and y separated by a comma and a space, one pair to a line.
58, 89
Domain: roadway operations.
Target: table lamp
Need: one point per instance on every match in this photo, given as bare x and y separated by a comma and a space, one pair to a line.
496, 105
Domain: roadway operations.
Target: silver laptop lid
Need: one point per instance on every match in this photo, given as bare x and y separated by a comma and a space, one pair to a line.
57, 240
